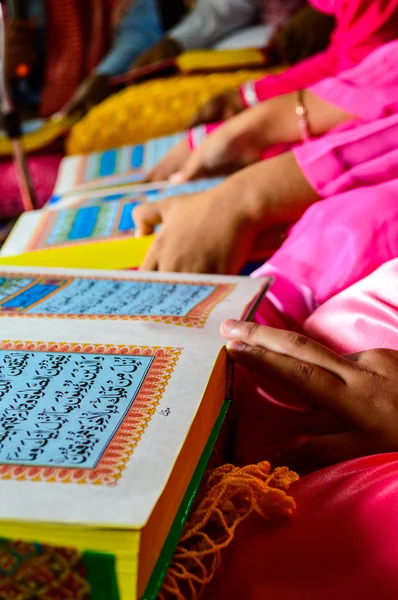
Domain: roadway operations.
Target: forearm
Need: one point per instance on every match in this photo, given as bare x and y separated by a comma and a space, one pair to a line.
276, 121
271, 192
302, 75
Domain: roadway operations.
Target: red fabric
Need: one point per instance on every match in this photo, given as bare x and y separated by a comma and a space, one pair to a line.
43, 170
341, 544
65, 51
78, 35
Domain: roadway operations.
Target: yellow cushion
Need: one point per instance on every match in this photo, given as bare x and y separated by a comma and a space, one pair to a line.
151, 109
39, 139
207, 60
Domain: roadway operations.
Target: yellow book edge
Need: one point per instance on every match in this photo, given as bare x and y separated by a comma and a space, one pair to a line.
124, 253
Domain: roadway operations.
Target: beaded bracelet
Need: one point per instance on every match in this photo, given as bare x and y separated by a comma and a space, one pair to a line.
302, 114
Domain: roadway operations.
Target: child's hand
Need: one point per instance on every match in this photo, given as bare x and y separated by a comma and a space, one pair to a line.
361, 390
200, 233
229, 147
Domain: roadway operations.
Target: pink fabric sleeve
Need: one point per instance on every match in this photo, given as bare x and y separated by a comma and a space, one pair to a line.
361, 154
300, 76
362, 234
367, 91
375, 299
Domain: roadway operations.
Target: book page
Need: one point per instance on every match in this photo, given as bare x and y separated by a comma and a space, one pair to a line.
138, 193
99, 219
101, 375
127, 164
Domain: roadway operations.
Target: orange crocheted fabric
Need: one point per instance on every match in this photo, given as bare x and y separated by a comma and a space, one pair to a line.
229, 496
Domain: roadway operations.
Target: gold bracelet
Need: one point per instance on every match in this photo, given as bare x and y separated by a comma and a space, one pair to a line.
302, 114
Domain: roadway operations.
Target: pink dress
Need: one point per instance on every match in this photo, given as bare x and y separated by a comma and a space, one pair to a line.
361, 27
342, 541
368, 91
356, 169
336, 243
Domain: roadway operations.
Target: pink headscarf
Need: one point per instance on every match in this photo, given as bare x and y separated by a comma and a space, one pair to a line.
362, 26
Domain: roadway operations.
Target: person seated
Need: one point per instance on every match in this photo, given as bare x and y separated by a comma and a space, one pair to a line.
311, 391
215, 231
63, 53
174, 102
361, 26
214, 23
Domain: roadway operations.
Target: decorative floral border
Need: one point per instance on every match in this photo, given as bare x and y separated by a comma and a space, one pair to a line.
196, 318
116, 456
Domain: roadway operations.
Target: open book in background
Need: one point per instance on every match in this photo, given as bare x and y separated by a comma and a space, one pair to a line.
128, 164
111, 386
96, 218
90, 224
135, 193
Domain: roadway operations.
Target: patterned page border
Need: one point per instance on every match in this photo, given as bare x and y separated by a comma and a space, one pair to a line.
47, 222
196, 318
118, 452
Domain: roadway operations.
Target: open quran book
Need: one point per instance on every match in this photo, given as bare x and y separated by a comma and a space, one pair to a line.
125, 165
89, 220
86, 218
111, 384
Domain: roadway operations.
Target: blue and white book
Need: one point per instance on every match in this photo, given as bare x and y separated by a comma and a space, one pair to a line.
127, 164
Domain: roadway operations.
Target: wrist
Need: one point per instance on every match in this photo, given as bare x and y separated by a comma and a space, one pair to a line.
249, 203
248, 94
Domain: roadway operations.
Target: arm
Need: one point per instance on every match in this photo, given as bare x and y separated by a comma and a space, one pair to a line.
214, 232
302, 75
358, 157
211, 20
140, 28
242, 139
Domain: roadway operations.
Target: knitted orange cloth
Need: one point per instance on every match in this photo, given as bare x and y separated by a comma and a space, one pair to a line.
229, 495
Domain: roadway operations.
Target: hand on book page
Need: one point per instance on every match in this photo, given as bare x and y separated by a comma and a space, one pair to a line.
201, 233
172, 162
